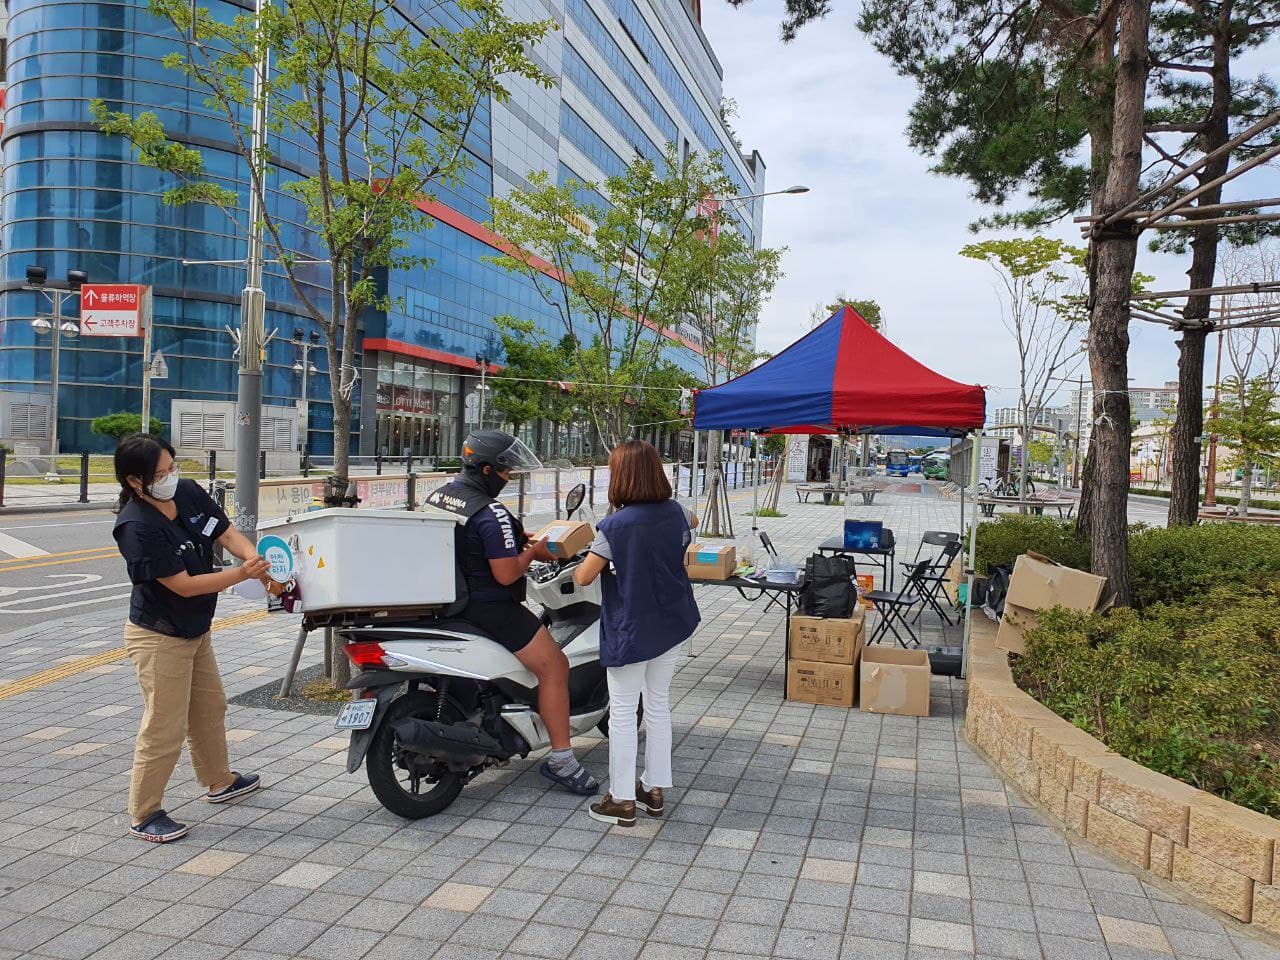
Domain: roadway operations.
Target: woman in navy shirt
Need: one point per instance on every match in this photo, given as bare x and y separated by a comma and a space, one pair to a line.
647, 611
166, 529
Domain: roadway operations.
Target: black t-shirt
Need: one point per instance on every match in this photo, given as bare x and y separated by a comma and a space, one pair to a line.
155, 547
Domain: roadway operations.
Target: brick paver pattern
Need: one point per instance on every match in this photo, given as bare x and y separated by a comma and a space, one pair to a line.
794, 831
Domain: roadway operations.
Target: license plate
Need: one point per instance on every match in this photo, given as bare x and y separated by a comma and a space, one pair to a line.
356, 715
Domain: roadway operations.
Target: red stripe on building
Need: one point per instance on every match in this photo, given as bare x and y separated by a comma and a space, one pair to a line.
423, 353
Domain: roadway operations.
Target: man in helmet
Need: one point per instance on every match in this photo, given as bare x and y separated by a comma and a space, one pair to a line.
493, 553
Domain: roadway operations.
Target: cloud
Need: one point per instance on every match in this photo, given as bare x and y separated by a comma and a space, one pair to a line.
827, 111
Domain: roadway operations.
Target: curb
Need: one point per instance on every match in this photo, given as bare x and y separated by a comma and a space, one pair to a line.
1221, 855
22, 510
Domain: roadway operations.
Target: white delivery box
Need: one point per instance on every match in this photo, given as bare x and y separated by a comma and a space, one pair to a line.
347, 559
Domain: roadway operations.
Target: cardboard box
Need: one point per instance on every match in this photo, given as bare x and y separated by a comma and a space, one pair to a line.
710, 561
1038, 584
895, 681
566, 538
828, 684
827, 640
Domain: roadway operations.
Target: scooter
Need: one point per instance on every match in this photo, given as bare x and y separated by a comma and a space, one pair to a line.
439, 701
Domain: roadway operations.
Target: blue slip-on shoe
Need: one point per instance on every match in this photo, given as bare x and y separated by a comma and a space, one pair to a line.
159, 828
581, 782
239, 787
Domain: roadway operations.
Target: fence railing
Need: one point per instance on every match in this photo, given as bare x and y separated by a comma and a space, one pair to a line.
402, 483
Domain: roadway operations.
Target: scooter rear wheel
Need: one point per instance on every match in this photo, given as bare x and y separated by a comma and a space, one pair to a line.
401, 780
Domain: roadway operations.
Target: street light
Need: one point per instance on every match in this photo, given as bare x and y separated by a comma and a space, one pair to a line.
482, 361
305, 367
58, 328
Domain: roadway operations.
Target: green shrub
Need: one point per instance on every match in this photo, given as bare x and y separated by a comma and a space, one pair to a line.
1182, 563
120, 425
1003, 539
1185, 689
1223, 499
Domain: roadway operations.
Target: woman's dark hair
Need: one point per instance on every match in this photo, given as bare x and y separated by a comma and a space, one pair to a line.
636, 475
138, 455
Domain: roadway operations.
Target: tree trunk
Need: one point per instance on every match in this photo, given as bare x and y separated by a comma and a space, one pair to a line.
1114, 251
711, 515
774, 492
1246, 488
1184, 491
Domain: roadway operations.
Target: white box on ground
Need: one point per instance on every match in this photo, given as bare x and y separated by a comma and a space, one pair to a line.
370, 559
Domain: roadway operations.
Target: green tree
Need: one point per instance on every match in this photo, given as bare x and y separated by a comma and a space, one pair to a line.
629, 269
1247, 422
531, 384
120, 425
384, 107
869, 310
1041, 283
1040, 454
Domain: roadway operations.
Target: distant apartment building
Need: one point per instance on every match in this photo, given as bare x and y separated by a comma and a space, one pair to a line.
1147, 404
1007, 421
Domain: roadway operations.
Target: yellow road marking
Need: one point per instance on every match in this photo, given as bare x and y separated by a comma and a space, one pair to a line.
85, 664
104, 554
47, 556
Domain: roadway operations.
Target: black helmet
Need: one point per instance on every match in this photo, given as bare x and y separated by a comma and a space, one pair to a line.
498, 450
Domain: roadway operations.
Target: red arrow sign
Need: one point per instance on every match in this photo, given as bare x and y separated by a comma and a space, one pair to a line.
112, 309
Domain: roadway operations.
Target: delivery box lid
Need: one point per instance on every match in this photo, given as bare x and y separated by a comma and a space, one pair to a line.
1038, 583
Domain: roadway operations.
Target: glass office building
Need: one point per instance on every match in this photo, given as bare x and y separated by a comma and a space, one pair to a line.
634, 76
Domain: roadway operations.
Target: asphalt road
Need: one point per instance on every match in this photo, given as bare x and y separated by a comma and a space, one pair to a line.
59, 565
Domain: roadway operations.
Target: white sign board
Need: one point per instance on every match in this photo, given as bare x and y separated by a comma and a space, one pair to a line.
798, 459
159, 367
112, 309
989, 460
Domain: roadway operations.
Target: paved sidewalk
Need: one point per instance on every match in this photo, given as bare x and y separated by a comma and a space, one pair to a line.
797, 831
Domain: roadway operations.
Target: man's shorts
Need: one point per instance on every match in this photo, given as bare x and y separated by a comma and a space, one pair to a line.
510, 623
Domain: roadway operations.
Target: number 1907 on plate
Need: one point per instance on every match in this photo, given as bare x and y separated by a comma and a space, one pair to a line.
356, 715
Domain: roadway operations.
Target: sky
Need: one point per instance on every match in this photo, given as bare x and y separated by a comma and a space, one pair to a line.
828, 112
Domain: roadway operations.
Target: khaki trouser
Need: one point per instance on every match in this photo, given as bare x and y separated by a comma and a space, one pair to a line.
183, 700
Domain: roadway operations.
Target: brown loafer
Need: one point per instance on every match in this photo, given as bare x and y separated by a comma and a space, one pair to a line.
650, 801
621, 813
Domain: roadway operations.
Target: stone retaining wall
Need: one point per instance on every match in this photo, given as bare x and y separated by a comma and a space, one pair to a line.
1219, 853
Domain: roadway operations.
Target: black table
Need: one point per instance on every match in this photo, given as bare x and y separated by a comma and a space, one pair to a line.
882, 556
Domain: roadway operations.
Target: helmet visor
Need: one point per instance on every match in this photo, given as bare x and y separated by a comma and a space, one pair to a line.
517, 458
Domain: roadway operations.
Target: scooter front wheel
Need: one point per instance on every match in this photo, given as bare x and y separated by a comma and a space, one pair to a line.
407, 784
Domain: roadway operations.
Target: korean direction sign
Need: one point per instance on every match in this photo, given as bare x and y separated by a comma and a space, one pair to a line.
112, 309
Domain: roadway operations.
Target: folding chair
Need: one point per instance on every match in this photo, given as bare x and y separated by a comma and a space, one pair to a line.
893, 607
933, 538
931, 583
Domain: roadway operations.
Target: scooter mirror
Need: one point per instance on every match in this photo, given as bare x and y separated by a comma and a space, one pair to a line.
573, 500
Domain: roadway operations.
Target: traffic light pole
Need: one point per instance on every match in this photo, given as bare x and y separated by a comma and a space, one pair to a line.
253, 308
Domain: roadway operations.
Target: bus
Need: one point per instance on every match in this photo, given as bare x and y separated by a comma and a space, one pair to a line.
897, 463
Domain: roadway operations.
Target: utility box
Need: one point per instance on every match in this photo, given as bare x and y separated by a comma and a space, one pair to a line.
370, 560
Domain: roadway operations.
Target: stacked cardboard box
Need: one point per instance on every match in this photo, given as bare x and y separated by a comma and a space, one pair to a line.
822, 662
1038, 584
710, 561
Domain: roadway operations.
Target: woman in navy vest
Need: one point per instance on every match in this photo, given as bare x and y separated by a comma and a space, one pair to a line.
647, 612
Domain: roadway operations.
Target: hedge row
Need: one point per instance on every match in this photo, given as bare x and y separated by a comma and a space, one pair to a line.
1165, 565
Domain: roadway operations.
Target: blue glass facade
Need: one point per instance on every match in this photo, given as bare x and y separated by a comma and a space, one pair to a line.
74, 199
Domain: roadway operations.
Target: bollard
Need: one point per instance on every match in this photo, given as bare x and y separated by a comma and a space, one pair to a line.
377, 464
213, 469
411, 492
306, 465
591, 488
84, 476
4, 457
408, 463
521, 488
262, 464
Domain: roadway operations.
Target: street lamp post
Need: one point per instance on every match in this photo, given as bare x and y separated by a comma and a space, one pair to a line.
482, 361
305, 367
57, 328
1211, 468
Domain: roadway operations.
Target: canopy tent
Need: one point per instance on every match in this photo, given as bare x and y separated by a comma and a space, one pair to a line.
846, 377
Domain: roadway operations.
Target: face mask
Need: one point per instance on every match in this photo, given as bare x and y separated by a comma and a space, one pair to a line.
493, 483
164, 489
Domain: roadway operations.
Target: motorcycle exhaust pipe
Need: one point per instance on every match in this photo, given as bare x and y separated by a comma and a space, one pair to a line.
455, 743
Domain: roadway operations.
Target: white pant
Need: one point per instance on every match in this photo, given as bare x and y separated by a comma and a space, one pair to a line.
653, 679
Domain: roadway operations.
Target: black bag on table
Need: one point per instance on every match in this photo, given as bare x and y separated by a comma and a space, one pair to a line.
828, 589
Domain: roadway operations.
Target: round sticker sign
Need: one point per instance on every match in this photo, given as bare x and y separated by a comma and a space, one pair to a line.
277, 553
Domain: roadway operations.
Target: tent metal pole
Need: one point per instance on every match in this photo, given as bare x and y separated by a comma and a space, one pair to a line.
973, 546
755, 487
